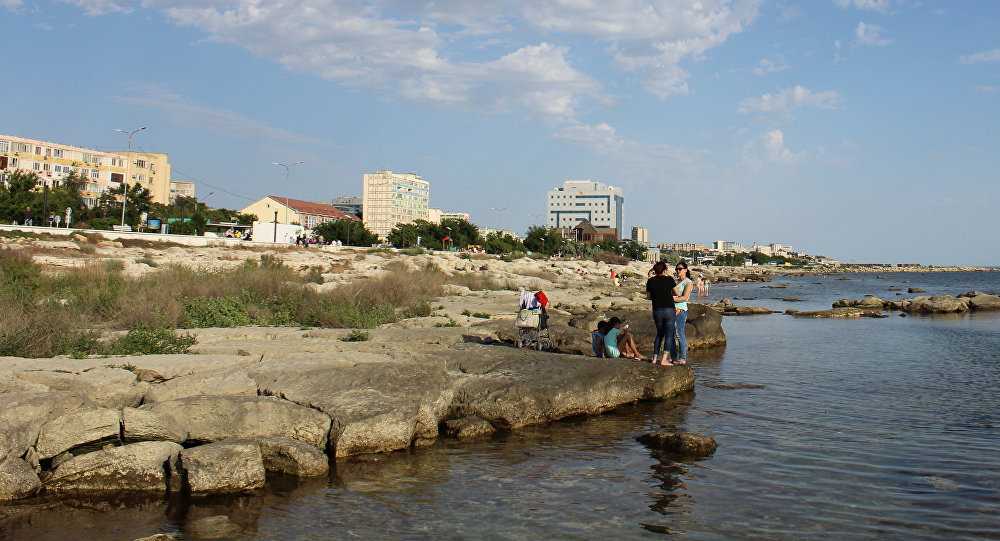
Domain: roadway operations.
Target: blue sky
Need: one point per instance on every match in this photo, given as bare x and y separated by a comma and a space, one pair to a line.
862, 130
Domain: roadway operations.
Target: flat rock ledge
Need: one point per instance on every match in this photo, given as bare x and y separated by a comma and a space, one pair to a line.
971, 301
315, 402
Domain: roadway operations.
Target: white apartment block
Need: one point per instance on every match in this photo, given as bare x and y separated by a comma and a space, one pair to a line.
393, 198
728, 246
682, 246
580, 200
435, 216
99, 170
180, 188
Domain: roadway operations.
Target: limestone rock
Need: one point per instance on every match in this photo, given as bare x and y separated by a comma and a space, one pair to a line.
512, 388
145, 425
216, 418
22, 415
17, 480
134, 467
109, 387
223, 467
983, 301
680, 443
914, 290
214, 527
849, 312
285, 455
375, 407
79, 428
221, 381
468, 427
937, 304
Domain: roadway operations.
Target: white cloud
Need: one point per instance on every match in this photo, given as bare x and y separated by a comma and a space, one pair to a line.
101, 7
416, 49
881, 6
13, 5
183, 111
783, 102
766, 66
633, 158
992, 55
769, 148
985, 89
870, 34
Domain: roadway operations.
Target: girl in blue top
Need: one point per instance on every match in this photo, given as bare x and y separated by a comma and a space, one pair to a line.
678, 351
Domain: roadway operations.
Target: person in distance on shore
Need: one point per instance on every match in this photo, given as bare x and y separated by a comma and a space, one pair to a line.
660, 289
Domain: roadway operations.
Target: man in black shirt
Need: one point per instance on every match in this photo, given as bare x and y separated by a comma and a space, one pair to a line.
661, 289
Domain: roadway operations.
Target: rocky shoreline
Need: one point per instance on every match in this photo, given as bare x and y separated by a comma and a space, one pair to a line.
259, 400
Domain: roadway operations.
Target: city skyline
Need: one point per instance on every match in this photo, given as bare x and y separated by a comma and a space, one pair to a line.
855, 129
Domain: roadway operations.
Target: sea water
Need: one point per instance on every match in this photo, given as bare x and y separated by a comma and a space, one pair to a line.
827, 429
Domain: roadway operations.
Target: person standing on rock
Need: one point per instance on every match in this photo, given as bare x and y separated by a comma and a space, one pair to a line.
661, 289
678, 349
29, 216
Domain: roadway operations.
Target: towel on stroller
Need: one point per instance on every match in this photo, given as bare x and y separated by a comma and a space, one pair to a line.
532, 314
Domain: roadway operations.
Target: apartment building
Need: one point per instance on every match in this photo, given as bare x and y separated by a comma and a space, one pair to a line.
180, 188
682, 246
348, 204
435, 216
393, 198
294, 211
640, 234
577, 200
100, 170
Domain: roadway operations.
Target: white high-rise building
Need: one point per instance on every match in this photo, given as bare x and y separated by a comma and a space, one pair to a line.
392, 198
580, 200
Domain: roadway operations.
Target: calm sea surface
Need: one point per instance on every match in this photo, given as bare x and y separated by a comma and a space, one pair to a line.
827, 429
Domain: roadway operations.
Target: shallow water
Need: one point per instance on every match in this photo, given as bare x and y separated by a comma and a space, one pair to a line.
860, 429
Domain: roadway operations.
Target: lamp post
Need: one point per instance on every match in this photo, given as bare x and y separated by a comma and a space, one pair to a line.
128, 167
499, 216
288, 174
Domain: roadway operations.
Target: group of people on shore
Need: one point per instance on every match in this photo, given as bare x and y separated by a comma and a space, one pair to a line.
670, 308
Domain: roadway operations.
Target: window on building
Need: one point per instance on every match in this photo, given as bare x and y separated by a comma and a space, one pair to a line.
57, 153
95, 173
140, 163
36, 166
14, 162
117, 177
4, 145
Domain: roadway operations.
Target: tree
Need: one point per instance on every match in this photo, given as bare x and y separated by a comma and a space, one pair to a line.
634, 250
502, 243
670, 257
17, 193
462, 233
545, 240
349, 232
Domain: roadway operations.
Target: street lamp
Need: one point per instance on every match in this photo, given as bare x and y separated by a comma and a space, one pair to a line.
288, 173
499, 216
128, 167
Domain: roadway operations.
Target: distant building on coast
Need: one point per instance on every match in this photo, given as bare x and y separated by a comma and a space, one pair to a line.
180, 188
348, 205
682, 246
435, 216
99, 170
283, 210
587, 232
576, 200
640, 234
393, 198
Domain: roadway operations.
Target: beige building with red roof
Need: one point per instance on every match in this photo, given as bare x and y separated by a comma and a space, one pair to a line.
294, 211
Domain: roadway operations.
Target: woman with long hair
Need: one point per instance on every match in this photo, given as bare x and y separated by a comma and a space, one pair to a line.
678, 350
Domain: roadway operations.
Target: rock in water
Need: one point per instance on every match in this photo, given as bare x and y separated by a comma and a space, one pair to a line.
680, 443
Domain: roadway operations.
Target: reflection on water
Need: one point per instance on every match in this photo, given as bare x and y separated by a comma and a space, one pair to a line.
860, 429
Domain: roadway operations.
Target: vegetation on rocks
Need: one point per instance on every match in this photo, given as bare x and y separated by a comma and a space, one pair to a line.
44, 314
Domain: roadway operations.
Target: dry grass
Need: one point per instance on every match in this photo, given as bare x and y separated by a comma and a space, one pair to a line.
544, 274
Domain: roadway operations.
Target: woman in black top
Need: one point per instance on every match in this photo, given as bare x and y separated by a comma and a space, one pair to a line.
661, 289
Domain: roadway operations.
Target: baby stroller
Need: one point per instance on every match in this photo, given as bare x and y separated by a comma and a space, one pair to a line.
532, 322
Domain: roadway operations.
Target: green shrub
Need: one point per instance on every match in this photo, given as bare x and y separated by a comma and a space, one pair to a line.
412, 251
145, 340
314, 275
450, 323
18, 271
215, 312
357, 336
114, 265
147, 260
420, 309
